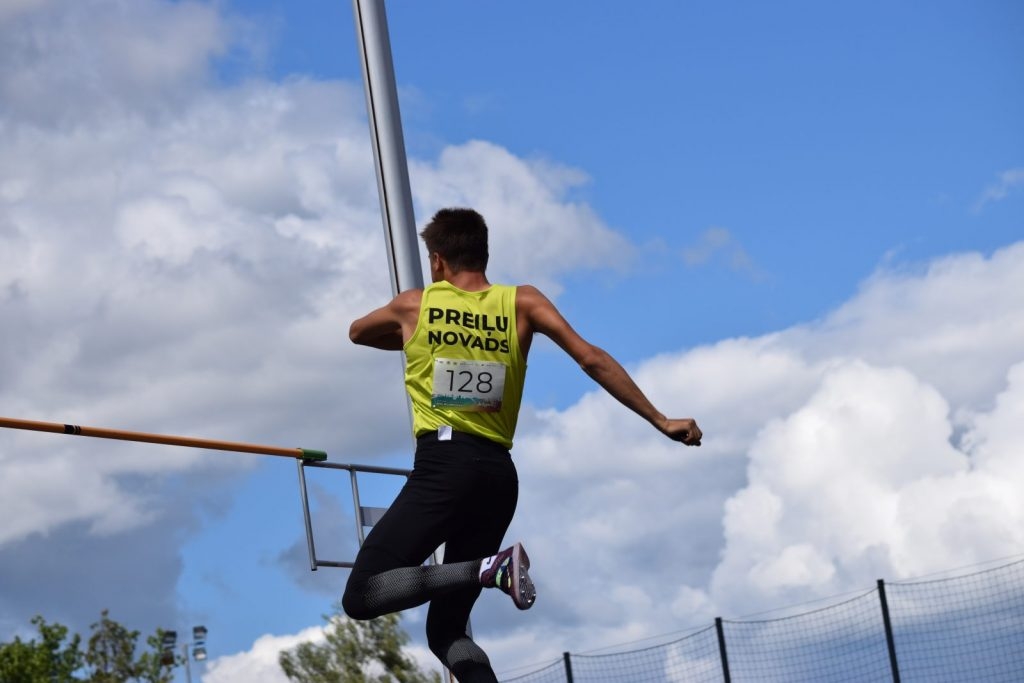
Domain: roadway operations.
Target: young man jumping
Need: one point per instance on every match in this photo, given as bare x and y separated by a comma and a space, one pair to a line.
466, 343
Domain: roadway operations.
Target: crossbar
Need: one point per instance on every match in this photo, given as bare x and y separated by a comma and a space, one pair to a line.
166, 439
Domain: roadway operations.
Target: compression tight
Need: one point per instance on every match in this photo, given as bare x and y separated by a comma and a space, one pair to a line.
406, 587
462, 493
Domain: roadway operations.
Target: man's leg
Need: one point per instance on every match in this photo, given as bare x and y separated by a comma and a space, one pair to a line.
484, 517
388, 575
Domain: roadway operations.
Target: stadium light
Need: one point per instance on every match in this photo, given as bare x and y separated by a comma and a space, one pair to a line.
199, 643
167, 645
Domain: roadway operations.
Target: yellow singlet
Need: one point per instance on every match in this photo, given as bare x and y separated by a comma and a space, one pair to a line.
464, 367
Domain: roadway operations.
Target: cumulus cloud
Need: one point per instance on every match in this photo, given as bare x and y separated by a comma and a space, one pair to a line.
881, 441
536, 235
259, 664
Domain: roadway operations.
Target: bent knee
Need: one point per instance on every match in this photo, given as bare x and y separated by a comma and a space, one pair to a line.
354, 603
459, 653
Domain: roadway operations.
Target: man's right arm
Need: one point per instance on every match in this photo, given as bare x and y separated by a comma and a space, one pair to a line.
542, 316
389, 326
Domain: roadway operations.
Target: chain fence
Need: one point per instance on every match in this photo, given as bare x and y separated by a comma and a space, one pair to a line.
966, 628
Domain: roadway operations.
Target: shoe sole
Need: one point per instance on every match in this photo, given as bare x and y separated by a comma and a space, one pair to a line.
523, 592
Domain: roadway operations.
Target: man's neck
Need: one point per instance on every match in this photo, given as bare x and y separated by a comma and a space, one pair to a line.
468, 280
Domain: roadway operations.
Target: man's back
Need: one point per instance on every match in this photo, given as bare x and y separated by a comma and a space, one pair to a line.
464, 367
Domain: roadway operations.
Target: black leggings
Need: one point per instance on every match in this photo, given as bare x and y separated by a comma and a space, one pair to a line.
461, 493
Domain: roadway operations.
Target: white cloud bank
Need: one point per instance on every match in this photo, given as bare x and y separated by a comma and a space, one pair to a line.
884, 441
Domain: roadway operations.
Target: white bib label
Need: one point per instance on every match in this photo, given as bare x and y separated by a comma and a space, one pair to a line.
468, 385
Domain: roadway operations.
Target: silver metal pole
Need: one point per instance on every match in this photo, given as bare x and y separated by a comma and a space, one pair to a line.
188, 666
305, 517
388, 145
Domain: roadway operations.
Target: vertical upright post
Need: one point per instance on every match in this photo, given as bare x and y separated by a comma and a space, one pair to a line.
357, 506
726, 676
388, 145
567, 659
305, 514
889, 640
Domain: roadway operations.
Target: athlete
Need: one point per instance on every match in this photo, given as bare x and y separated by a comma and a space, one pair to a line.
466, 343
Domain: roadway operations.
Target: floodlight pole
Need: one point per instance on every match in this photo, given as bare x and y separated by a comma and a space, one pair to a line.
388, 145
188, 665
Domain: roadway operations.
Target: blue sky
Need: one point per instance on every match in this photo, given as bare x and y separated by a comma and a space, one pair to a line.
799, 223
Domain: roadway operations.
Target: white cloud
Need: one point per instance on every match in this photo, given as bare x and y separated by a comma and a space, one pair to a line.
956, 322
1009, 181
260, 663
720, 243
536, 235
67, 61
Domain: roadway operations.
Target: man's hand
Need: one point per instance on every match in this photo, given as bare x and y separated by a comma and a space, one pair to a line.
684, 430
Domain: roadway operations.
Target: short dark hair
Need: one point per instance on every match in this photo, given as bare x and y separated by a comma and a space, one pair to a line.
459, 236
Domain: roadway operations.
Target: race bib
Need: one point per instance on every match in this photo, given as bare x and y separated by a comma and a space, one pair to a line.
468, 385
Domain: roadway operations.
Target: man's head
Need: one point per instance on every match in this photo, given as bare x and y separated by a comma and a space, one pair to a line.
459, 236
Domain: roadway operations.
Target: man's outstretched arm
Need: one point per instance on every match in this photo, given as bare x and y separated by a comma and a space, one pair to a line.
543, 317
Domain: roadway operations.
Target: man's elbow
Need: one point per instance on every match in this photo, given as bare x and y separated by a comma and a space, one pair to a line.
355, 334
592, 360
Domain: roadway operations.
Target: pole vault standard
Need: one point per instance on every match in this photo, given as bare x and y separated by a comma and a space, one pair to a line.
166, 439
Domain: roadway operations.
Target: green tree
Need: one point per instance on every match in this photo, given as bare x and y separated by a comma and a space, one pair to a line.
48, 659
356, 652
109, 658
111, 655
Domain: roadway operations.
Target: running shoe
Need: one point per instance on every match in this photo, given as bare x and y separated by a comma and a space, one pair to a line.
508, 571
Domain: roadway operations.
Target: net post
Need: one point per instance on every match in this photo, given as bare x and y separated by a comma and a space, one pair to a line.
726, 676
889, 640
567, 660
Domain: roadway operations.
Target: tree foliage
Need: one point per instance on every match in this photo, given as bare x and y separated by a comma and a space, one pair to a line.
48, 659
109, 657
355, 652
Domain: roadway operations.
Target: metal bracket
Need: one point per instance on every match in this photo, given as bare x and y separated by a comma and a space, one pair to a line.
364, 516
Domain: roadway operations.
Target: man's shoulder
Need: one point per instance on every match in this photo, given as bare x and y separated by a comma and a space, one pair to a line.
409, 299
528, 294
